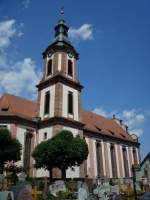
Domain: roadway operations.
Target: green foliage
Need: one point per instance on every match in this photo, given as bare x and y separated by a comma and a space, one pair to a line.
61, 151
112, 182
50, 197
40, 154
9, 148
12, 171
66, 195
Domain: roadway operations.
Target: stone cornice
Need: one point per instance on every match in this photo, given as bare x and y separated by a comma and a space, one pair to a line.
65, 122
61, 121
60, 46
17, 120
105, 137
59, 78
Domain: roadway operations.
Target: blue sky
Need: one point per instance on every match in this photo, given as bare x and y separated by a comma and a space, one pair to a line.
113, 39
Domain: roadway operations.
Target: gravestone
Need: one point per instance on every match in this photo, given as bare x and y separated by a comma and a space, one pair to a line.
22, 190
57, 187
115, 189
25, 194
6, 195
82, 192
22, 177
2, 177
138, 188
101, 190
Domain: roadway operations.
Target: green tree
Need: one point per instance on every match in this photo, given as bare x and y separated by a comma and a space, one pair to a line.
61, 151
40, 154
9, 148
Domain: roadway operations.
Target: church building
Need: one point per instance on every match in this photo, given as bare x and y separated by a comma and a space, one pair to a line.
112, 150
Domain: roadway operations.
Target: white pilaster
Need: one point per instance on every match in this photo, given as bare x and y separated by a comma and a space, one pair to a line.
137, 154
117, 160
109, 159
95, 159
122, 161
59, 61
103, 158
131, 151
129, 164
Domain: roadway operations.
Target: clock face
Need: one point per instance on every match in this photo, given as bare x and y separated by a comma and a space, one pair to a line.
70, 55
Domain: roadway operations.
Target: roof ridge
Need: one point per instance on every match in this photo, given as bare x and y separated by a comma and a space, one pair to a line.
91, 112
19, 97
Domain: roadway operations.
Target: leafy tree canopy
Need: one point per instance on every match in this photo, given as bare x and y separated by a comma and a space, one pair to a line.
61, 151
9, 148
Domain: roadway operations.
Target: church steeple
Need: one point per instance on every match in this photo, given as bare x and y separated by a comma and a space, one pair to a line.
61, 41
61, 30
60, 89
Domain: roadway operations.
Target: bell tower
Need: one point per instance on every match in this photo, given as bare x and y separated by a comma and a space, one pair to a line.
59, 90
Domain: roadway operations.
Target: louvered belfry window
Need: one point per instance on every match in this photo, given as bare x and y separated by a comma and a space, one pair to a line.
70, 70
49, 67
70, 102
47, 103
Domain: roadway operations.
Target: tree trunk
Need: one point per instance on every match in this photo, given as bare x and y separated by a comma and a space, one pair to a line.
63, 174
1, 167
50, 175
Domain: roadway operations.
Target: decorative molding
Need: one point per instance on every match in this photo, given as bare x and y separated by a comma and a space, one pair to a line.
59, 78
100, 136
9, 119
61, 121
60, 47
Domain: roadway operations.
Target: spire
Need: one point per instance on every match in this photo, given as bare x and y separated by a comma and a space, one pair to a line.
62, 13
61, 38
61, 29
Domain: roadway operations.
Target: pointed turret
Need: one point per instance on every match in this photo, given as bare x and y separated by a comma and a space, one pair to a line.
61, 30
61, 40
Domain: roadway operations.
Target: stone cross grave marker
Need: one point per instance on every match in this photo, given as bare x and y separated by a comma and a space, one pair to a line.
56, 187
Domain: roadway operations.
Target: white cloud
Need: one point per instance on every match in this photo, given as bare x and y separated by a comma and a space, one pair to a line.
101, 111
7, 31
137, 132
26, 3
19, 77
84, 32
133, 118
128, 114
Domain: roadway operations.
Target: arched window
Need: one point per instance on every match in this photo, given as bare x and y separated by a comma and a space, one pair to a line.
113, 161
99, 159
45, 135
49, 67
125, 160
70, 68
70, 103
47, 103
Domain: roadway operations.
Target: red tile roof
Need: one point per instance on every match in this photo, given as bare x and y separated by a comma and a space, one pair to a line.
104, 126
13, 105
95, 123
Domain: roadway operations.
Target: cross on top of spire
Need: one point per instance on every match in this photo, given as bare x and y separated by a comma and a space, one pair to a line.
62, 13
